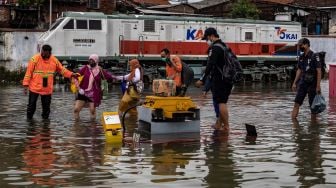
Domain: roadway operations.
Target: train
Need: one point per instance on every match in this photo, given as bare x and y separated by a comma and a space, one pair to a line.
118, 37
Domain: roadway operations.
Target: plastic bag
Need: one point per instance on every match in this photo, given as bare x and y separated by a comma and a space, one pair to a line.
318, 105
104, 88
74, 86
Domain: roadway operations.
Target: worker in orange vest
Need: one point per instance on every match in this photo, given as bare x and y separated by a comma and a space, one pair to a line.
39, 79
173, 68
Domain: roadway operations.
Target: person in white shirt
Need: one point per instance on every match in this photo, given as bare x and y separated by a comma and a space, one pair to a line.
132, 95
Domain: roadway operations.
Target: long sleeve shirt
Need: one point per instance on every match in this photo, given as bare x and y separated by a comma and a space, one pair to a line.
39, 69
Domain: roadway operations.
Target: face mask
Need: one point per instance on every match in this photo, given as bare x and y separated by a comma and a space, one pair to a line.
302, 49
209, 42
93, 64
45, 55
164, 59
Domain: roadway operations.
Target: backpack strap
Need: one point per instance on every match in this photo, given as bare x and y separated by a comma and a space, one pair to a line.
141, 73
224, 50
221, 46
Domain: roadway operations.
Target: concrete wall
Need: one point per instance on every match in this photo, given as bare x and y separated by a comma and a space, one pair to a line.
16, 48
327, 44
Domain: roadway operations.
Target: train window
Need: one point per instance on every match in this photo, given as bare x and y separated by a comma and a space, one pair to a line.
81, 24
248, 36
95, 25
69, 25
56, 24
149, 25
94, 4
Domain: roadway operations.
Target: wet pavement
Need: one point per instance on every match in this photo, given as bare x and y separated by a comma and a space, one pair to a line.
66, 153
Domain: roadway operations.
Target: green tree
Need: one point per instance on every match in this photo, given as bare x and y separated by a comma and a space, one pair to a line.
244, 9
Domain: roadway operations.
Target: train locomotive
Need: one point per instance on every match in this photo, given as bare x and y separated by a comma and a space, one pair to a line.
118, 37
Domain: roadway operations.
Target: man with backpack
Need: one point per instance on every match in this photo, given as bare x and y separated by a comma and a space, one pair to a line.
308, 77
221, 88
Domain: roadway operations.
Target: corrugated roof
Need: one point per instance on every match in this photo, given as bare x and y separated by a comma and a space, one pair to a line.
161, 6
207, 3
152, 2
284, 2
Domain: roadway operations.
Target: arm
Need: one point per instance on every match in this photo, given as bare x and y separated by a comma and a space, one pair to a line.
29, 73
207, 85
212, 61
297, 76
125, 77
108, 76
137, 75
319, 73
63, 71
176, 63
318, 85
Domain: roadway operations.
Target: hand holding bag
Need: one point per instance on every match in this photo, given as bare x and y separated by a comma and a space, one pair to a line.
318, 105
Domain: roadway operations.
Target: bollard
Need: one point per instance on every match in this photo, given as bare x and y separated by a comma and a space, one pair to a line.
332, 80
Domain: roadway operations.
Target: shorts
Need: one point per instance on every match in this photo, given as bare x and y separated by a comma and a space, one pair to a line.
303, 90
221, 91
83, 98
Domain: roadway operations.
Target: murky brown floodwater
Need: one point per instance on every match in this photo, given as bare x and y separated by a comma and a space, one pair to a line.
68, 154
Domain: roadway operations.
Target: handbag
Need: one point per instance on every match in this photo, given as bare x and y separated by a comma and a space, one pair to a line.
132, 92
103, 84
140, 86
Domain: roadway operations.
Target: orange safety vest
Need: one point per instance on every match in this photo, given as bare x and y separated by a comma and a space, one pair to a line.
175, 73
38, 68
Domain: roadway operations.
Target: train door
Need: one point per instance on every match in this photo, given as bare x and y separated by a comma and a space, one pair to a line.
266, 39
112, 45
151, 37
248, 36
166, 36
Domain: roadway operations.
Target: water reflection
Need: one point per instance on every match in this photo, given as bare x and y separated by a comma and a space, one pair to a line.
308, 153
38, 154
68, 154
222, 172
171, 159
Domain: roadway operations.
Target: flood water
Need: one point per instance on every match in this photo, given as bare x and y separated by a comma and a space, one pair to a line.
66, 153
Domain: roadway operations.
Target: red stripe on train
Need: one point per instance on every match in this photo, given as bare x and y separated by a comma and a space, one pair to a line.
194, 48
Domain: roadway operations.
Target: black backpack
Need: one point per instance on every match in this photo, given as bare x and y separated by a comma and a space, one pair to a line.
321, 56
187, 74
232, 70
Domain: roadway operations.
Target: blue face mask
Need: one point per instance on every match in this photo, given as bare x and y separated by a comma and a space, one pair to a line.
165, 59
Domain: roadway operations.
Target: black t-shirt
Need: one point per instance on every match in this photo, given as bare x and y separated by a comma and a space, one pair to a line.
308, 65
215, 58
